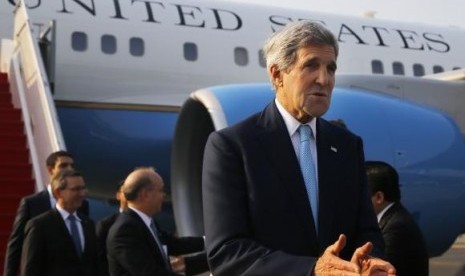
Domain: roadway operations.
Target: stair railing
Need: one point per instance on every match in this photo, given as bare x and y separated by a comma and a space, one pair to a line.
31, 92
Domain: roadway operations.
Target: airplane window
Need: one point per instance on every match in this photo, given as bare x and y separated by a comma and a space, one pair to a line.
398, 68
437, 69
241, 57
261, 59
136, 46
108, 44
377, 67
418, 70
79, 41
190, 51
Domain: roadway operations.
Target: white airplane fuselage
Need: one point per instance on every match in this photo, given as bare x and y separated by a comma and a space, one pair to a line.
122, 69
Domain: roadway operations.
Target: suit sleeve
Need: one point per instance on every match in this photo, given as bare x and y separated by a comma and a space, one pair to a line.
231, 247
15, 242
182, 245
130, 251
33, 258
196, 264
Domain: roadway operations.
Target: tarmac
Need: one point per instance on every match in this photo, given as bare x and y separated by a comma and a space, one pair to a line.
452, 262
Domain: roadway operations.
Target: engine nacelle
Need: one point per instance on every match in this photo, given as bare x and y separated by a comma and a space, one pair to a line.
422, 143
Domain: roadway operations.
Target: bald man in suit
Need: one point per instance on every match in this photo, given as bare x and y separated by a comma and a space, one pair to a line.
259, 218
135, 244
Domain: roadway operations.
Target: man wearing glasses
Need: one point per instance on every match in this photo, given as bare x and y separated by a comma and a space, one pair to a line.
60, 241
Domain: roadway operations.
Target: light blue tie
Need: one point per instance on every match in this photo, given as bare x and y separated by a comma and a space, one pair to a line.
308, 170
160, 246
75, 234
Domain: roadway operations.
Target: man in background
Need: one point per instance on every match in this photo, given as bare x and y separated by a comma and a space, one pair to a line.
136, 246
33, 205
61, 242
405, 247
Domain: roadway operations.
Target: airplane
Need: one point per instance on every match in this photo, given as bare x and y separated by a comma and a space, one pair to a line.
113, 82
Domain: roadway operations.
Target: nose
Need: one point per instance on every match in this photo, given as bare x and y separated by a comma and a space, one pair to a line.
323, 76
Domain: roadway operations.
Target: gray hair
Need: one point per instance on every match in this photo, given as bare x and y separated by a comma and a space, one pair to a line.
59, 181
136, 181
281, 48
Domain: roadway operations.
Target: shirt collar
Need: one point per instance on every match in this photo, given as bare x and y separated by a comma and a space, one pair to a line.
291, 123
147, 220
65, 214
380, 215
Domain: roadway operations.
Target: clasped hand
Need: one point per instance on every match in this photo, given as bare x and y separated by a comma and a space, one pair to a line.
360, 264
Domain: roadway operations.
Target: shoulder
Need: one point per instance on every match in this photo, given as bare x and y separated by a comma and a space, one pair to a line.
332, 130
398, 216
127, 219
44, 220
109, 220
38, 198
247, 127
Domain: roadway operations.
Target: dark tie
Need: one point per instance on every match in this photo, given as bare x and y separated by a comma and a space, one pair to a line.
160, 246
308, 170
75, 234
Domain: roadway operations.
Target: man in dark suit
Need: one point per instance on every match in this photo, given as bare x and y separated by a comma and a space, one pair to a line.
134, 244
33, 205
405, 247
189, 265
102, 228
61, 242
257, 211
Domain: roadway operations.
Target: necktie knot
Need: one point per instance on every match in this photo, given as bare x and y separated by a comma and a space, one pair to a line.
305, 133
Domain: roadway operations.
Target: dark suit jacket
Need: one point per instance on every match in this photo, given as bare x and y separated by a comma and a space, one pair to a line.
29, 207
49, 250
195, 264
257, 214
102, 228
405, 247
131, 248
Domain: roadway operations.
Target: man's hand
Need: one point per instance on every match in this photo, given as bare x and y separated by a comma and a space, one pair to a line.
177, 264
377, 267
330, 263
369, 265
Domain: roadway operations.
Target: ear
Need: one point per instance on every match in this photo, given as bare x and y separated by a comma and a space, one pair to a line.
276, 75
118, 195
56, 193
50, 170
379, 197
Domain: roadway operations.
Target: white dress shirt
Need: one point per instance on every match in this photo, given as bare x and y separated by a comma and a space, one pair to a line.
292, 126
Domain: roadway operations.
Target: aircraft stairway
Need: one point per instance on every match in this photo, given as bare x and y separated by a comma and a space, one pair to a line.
16, 178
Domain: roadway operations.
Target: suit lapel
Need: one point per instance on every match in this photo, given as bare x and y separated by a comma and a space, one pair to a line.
277, 144
149, 237
88, 231
327, 151
61, 226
